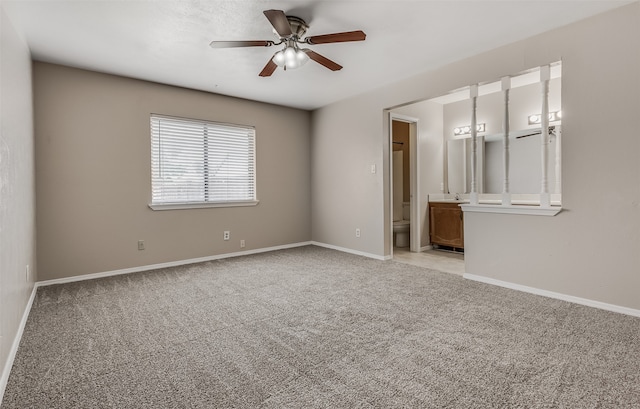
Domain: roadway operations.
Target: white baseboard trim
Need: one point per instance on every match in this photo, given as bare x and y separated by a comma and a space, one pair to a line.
346, 250
425, 248
557, 296
201, 260
6, 371
168, 264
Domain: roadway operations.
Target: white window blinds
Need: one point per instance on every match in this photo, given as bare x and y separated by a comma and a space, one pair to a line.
195, 162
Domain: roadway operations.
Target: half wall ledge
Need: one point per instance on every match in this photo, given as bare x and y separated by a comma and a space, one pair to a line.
512, 209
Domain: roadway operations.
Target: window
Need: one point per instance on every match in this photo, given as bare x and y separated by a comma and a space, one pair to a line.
201, 164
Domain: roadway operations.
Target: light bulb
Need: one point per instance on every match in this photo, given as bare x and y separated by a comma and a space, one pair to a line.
302, 57
278, 58
290, 58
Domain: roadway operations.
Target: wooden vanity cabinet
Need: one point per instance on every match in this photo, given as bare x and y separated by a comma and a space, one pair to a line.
446, 225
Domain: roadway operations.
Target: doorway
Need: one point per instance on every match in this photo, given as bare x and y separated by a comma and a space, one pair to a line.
403, 141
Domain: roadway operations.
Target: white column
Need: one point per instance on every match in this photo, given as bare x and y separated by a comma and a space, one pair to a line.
558, 188
473, 93
545, 75
506, 195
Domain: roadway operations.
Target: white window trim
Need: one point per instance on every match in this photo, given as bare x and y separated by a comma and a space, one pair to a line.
201, 205
208, 204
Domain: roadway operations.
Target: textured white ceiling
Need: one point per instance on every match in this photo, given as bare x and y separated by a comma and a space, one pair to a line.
167, 41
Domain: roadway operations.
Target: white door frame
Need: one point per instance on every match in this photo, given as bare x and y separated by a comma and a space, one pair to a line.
415, 185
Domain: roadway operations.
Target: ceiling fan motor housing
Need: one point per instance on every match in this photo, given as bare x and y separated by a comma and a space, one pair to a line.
298, 26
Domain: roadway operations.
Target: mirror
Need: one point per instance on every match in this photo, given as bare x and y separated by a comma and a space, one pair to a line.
524, 163
459, 165
524, 143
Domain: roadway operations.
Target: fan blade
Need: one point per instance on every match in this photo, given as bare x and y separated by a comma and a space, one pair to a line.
231, 44
337, 37
279, 21
268, 69
322, 60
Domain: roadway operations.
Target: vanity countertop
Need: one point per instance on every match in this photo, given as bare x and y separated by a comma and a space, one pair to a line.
448, 198
449, 201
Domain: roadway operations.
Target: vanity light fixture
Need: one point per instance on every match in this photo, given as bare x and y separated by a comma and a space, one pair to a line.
553, 116
465, 130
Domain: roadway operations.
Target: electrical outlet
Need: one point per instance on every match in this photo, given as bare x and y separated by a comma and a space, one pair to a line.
140, 244
226, 235
373, 168
357, 232
241, 244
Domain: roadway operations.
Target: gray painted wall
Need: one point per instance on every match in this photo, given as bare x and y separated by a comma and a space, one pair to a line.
345, 194
93, 175
589, 250
17, 187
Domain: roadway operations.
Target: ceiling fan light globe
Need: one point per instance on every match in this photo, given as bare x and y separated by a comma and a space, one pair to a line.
279, 59
290, 56
302, 57
292, 65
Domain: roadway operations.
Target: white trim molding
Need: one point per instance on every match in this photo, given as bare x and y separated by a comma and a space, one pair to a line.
202, 260
201, 205
350, 251
6, 371
165, 265
558, 296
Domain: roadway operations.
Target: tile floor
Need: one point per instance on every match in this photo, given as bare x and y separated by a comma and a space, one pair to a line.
434, 259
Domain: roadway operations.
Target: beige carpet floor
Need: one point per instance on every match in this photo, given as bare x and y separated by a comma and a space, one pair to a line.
315, 328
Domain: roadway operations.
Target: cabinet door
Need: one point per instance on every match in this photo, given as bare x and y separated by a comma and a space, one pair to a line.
446, 228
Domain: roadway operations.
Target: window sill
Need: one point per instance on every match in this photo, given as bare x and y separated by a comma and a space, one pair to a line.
512, 209
201, 205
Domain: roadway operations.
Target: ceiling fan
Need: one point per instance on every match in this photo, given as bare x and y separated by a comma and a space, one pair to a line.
290, 31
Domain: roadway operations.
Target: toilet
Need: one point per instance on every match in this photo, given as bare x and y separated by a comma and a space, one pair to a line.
401, 227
